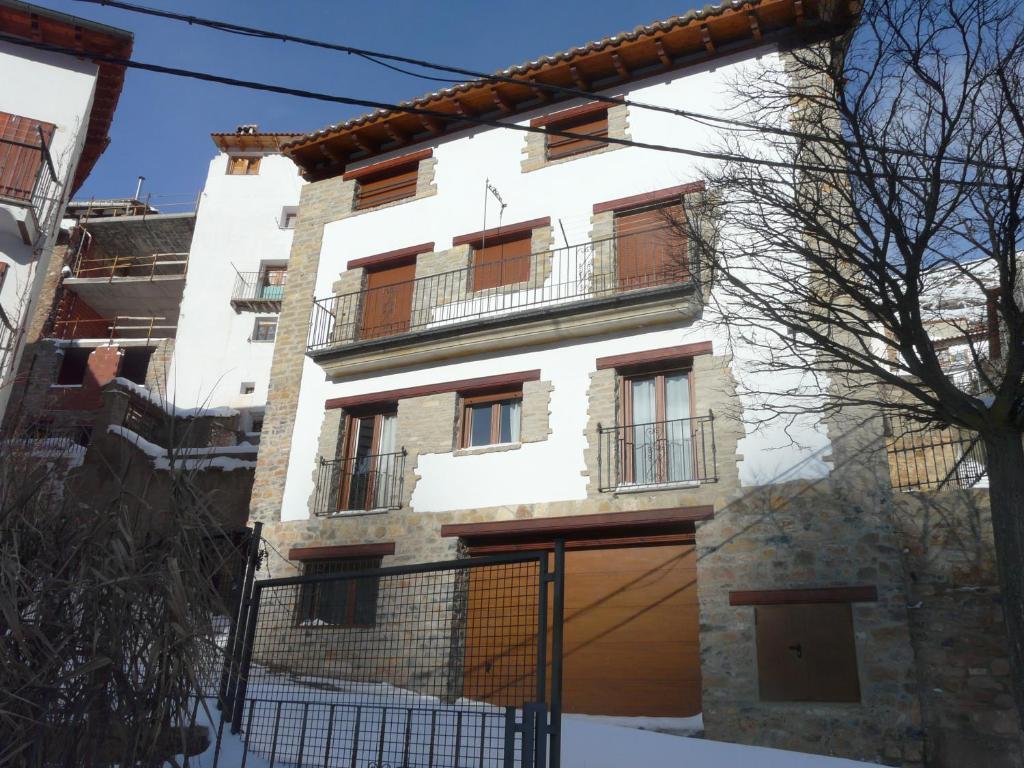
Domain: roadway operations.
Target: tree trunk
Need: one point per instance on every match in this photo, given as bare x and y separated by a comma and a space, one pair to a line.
1005, 461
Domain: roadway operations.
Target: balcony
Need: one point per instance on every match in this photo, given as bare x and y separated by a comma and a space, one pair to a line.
370, 483
606, 285
928, 459
254, 292
145, 267
29, 185
658, 455
117, 327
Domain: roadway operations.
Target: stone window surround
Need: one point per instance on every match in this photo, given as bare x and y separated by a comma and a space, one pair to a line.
535, 147
425, 186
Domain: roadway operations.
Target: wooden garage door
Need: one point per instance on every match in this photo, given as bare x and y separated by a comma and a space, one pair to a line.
630, 635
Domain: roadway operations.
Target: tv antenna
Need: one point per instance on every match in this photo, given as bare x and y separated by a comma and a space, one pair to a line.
490, 189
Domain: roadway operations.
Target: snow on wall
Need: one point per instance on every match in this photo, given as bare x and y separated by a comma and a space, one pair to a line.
56, 89
237, 228
183, 458
566, 192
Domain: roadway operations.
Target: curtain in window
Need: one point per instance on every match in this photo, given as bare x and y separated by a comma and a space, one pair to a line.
679, 453
386, 487
513, 411
645, 458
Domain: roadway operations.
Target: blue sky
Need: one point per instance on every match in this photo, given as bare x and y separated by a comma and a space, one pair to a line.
162, 125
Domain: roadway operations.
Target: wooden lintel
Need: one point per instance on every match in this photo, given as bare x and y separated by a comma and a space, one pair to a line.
705, 36
662, 55
755, 26
581, 82
432, 124
502, 103
621, 68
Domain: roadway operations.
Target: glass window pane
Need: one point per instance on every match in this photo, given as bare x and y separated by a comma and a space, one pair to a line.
480, 425
509, 422
677, 396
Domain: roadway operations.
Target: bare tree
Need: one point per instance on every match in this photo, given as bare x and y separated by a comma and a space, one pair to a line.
875, 183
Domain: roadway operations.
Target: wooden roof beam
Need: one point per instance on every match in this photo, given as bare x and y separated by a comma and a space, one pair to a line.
705, 36
662, 55
755, 26
462, 109
502, 103
581, 82
432, 124
361, 144
541, 93
620, 67
798, 8
398, 136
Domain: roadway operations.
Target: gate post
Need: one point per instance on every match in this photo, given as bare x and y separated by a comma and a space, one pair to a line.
229, 675
245, 660
557, 616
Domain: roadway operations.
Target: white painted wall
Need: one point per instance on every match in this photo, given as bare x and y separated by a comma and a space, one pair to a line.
57, 89
237, 228
566, 192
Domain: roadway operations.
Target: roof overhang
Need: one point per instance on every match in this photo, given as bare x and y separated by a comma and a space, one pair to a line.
46, 26
676, 43
253, 142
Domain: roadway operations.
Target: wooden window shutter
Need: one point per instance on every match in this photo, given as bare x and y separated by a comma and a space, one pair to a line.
651, 250
502, 263
386, 187
21, 157
591, 124
387, 301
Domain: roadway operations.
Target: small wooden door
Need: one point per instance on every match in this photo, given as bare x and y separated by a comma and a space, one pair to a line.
21, 160
387, 302
650, 249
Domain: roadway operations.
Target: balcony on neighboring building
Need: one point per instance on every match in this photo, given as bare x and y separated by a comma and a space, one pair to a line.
118, 327
260, 291
30, 189
676, 453
370, 483
933, 458
606, 285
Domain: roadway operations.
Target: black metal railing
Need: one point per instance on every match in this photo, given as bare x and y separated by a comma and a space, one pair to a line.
253, 286
28, 177
657, 454
930, 459
360, 484
579, 273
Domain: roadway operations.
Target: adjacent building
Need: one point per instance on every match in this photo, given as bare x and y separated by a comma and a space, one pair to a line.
55, 115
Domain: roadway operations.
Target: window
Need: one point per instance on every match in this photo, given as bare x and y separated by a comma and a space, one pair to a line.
501, 261
491, 419
656, 441
650, 249
272, 282
806, 653
247, 387
339, 602
590, 121
22, 154
288, 215
370, 470
264, 329
387, 185
73, 366
243, 165
135, 364
257, 423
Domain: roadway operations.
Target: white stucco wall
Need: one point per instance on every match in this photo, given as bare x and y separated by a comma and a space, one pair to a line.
237, 228
566, 192
56, 89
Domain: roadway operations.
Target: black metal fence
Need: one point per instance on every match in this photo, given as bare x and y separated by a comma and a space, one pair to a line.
440, 665
660, 453
578, 273
923, 458
254, 287
360, 484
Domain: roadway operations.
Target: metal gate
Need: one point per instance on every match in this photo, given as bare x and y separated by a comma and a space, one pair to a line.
441, 665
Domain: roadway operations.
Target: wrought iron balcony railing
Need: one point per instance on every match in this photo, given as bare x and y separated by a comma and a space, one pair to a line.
929, 459
360, 484
517, 286
659, 454
28, 177
252, 290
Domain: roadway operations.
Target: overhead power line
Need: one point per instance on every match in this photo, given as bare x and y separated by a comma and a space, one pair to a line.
471, 120
382, 57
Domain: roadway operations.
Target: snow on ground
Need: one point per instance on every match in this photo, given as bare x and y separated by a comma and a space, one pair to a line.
385, 725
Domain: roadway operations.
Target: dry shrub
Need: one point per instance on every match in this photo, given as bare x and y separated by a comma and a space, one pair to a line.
108, 616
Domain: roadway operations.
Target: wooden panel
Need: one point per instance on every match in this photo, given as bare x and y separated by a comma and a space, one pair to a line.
20, 165
503, 263
631, 643
503, 233
387, 187
593, 124
664, 355
806, 653
344, 550
387, 302
391, 258
859, 594
650, 252
668, 195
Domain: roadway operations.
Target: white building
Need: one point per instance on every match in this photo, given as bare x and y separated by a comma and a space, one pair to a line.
55, 114
238, 270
